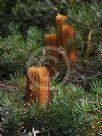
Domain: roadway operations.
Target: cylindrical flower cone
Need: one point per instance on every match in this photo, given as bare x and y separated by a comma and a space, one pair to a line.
43, 87
50, 40
60, 20
67, 33
30, 79
37, 82
72, 55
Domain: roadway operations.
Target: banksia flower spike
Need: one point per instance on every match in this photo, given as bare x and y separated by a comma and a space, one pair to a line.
72, 54
71, 32
31, 75
43, 86
60, 20
50, 40
67, 33
37, 82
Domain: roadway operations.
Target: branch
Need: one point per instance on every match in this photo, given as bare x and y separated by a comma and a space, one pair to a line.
6, 86
5, 49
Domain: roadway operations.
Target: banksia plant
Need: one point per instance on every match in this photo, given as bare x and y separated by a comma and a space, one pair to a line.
50, 40
72, 54
60, 20
67, 33
37, 82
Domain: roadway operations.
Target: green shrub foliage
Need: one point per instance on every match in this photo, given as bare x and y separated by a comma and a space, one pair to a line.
71, 112
15, 50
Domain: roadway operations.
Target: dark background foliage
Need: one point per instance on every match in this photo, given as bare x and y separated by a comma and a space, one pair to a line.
32, 12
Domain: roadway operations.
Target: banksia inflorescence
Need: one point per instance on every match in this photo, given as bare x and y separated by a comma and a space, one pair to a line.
72, 54
67, 33
37, 85
64, 33
50, 41
60, 20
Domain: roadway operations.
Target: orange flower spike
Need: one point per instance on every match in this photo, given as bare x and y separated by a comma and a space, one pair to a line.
60, 19
54, 39
44, 86
50, 39
30, 79
53, 44
71, 31
72, 55
38, 85
64, 36
67, 32
46, 39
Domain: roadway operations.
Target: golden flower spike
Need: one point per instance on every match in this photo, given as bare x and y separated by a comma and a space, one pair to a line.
67, 33
72, 55
37, 83
60, 20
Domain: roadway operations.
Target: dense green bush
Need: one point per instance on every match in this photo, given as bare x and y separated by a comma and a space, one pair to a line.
71, 112
15, 50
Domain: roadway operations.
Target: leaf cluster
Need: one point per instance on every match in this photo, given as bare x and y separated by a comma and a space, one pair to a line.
15, 50
71, 111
